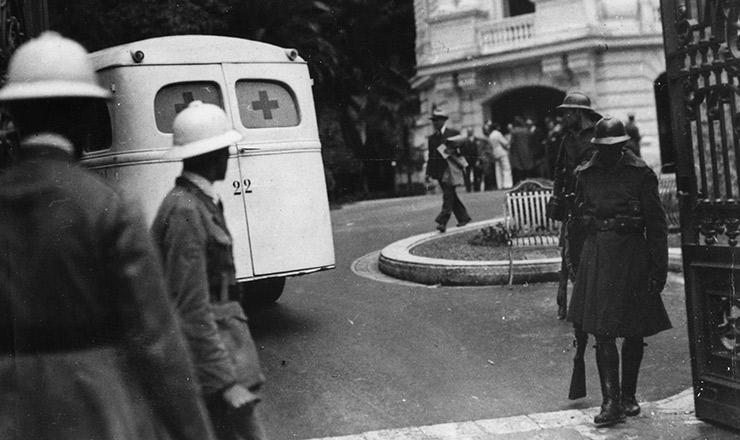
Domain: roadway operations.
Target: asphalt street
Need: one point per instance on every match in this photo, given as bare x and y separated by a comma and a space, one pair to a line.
347, 352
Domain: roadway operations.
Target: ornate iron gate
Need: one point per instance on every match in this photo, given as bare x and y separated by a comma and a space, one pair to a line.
702, 47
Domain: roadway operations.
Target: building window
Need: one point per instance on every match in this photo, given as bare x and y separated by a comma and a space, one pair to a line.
512, 8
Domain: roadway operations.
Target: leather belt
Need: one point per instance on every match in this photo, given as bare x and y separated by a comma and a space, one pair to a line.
634, 225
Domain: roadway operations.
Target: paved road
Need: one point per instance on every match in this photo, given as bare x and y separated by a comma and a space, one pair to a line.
346, 354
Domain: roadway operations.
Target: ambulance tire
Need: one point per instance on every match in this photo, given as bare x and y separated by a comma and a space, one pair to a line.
260, 293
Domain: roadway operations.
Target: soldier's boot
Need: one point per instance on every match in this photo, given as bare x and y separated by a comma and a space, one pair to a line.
578, 378
607, 361
632, 352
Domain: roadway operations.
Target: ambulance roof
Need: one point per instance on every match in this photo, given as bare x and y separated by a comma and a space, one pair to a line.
192, 49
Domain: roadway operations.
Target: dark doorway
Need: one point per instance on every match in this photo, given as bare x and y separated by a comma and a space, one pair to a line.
663, 108
534, 102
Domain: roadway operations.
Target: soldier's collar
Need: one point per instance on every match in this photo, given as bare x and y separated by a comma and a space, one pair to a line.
628, 159
202, 184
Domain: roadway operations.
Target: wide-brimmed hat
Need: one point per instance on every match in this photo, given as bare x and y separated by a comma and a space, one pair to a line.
200, 129
609, 131
438, 114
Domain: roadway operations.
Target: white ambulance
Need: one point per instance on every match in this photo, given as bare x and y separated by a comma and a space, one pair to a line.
274, 194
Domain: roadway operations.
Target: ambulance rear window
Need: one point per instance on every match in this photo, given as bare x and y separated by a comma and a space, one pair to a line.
172, 98
264, 104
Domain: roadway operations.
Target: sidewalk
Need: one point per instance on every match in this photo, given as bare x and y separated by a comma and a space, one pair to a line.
671, 418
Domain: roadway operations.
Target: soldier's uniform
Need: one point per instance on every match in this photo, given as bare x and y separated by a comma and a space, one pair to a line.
626, 242
196, 249
90, 346
623, 264
575, 150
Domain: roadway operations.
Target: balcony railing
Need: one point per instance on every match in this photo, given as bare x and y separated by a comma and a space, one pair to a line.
509, 33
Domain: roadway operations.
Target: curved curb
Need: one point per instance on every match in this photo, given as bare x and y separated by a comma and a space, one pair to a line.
396, 261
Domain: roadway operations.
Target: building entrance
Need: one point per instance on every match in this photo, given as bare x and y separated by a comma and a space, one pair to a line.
534, 102
528, 114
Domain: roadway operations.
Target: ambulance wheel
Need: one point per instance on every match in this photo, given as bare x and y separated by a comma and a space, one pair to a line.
261, 292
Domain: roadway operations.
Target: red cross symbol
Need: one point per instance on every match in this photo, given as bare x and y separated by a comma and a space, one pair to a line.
187, 97
265, 104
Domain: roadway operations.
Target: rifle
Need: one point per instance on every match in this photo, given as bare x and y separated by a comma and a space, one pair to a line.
578, 378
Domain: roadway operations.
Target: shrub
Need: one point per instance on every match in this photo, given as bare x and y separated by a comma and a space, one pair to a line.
496, 235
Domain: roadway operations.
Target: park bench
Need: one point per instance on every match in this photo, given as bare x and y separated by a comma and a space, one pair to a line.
524, 208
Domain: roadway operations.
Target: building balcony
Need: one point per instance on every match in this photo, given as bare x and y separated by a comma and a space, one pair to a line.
506, 34
465, 35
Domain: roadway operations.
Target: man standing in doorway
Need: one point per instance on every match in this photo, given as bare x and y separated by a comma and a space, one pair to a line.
438, 168
472, 172
634, 133
521, 154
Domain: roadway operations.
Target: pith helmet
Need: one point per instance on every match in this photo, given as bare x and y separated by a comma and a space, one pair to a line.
576, 100
200, 129
438, 114
609, 131
51, 66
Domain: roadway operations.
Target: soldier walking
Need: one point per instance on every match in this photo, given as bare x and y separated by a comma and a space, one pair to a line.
86, 324
623, 264
191, 234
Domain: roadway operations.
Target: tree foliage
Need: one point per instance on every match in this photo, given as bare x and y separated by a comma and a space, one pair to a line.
360, 54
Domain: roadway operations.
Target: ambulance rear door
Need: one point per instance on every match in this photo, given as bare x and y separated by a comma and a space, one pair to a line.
282, 178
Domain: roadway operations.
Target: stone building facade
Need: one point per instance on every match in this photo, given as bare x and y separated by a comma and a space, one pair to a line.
495, 59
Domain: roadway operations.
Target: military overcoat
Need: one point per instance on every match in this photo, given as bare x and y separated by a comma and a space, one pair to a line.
610, 294
85, 323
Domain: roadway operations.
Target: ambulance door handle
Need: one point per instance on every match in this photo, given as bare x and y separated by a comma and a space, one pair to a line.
248, 149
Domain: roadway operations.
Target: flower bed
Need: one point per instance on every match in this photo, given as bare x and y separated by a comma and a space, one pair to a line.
475, 245
459, 247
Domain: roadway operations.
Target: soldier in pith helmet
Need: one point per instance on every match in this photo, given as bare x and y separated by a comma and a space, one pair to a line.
86, 326
623, 264
191, 234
